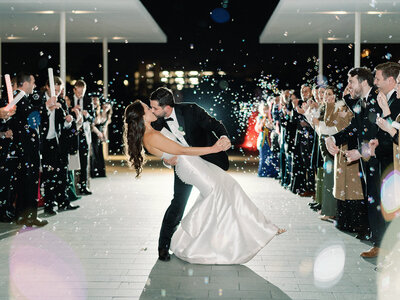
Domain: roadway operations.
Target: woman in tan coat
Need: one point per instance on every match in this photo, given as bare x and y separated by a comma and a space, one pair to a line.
351, 209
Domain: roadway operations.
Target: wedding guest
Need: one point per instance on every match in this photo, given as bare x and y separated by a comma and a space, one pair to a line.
7, 165
103, 114
303, 180
55, 122
73, 156
328, 202
283, 155
317, 160
362, 139
268, 163
25, 126
347, 189
82, 102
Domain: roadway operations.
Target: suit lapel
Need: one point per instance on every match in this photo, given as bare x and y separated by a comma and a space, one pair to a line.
392, 98
180, 117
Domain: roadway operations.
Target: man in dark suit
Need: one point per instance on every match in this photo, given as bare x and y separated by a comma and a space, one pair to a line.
193, 126
53, 132
7, 164
84, 104
25, 127
368, 144
303, 180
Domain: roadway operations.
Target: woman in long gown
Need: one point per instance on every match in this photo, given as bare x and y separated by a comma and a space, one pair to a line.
224, 226
269, 164
99, 127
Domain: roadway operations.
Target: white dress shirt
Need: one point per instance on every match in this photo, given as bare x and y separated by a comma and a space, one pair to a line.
51, 134
174, 126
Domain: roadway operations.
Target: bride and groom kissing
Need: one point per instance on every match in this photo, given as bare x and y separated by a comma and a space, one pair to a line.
223, 226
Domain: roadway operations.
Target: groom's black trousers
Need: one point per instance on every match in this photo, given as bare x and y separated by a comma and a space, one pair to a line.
174, 213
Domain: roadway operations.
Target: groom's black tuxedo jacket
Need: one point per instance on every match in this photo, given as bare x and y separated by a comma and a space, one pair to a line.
200, 130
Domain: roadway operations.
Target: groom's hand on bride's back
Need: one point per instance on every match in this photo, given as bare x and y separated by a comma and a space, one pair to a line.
171, 162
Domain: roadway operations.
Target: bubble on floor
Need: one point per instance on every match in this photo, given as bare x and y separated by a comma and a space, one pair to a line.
329, 265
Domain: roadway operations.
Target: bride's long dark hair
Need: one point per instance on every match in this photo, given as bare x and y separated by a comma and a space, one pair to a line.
134, 129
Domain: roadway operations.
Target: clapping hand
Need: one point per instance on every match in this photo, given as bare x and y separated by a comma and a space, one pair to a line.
330, 99
383, 124
383, 104
68, 118
372, 146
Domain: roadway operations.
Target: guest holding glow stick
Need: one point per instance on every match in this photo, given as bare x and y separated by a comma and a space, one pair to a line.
54, 147
7, 162
82, 102
25, 126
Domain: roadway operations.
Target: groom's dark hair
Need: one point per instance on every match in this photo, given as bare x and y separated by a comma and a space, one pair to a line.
164, 97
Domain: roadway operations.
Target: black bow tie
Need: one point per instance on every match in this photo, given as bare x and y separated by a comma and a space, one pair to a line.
168, 119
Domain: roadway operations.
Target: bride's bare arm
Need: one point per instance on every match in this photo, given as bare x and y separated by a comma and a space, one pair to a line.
156, 144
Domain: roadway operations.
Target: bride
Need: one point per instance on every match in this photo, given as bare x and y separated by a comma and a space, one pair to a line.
223, 226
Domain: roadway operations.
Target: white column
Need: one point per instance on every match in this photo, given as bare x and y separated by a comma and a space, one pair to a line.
62, 47
357, 40
1, 73
105, 88
105, 68
321, 61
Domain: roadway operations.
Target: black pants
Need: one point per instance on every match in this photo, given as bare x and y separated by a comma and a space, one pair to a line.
376, 221
54, 176
303, 177
27, 184
174, 213
83, 160
8, 167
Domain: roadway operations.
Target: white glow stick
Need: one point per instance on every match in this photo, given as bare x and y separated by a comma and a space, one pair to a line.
20, 95
9, 87
396, 125
51, 83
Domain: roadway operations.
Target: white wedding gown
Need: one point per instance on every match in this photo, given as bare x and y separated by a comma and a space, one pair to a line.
223, 226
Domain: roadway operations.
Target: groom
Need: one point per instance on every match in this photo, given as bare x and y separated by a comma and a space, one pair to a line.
193, 126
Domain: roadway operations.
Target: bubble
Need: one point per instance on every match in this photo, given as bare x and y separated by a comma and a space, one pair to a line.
285, 33
390, 195
220, 15
329, 265
388, 56
388, 265
328, 166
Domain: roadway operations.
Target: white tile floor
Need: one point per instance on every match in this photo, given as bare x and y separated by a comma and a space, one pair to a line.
107, 249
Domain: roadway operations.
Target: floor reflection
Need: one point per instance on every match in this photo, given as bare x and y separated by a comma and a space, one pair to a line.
177, 279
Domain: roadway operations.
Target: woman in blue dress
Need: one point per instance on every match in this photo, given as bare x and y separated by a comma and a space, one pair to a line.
269, 164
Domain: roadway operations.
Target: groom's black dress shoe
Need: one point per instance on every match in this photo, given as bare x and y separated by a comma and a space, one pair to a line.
163, 254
